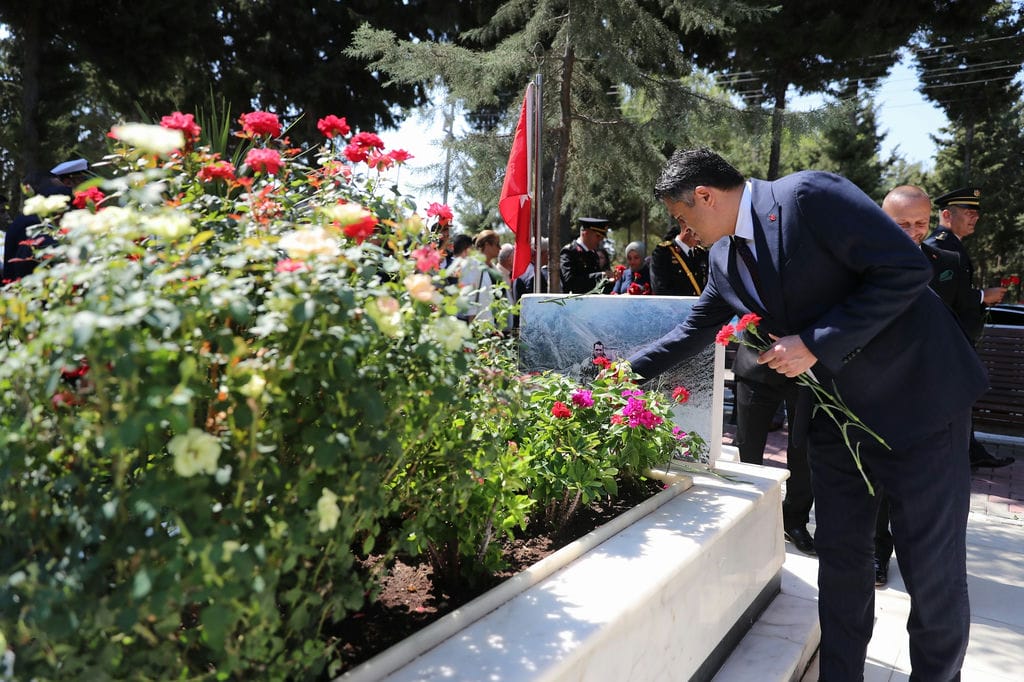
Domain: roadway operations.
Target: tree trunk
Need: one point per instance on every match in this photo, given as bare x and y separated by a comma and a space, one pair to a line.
557, 239
32, 48
968, 150
778, 114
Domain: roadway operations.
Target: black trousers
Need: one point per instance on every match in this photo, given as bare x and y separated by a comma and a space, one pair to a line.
928, 487
756, 404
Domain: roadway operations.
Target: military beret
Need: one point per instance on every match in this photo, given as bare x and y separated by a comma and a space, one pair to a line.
598, 225
968, 197
69, 167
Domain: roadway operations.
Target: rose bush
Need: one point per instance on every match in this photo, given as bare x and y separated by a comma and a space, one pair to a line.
231, 382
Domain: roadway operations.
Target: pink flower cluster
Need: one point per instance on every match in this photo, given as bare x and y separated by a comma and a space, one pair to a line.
583, 398
636, 412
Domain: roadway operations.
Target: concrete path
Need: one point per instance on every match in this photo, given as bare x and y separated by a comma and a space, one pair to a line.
995, 568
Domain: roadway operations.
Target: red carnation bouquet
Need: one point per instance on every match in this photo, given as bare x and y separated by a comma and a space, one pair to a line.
1009, 283
830, 403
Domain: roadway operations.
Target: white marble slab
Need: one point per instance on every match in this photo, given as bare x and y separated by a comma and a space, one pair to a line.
652, 602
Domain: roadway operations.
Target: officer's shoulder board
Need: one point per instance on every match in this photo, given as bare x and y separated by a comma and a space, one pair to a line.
941, 235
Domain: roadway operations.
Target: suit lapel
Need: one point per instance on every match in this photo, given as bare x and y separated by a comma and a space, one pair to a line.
768, 239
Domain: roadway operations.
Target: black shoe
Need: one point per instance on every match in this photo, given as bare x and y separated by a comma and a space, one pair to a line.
801, 539
992, 462
881, 572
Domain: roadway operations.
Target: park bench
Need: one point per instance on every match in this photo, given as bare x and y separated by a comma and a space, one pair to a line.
1001, 409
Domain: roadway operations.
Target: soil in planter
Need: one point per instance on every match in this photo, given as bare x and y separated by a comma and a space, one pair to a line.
409, 600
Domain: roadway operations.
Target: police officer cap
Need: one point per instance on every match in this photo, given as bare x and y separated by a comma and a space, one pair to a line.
598, 225
69, 167
968, 197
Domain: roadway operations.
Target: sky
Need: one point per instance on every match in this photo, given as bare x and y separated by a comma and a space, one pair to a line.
903, 114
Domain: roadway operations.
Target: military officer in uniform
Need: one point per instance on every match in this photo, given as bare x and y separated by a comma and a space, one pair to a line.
579, 262
679, 266
911, 209
959, 211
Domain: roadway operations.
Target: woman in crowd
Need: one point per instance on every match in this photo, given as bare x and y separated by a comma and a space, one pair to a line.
636, 277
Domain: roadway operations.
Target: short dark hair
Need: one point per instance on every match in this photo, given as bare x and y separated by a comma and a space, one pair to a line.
688, 168
461, 242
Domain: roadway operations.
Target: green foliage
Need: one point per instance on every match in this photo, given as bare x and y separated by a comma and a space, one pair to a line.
582, 440
225, 396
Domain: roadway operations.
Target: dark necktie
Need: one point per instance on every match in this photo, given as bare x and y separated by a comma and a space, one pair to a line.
744, 252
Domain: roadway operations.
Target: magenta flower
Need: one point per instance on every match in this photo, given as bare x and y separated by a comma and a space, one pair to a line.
582, 398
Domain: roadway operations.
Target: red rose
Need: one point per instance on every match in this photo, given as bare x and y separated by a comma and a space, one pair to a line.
331, 126
186, 123
367, 141
620, 269
603, 362
399, 155
725, 335
441, 212
361, 229
634, 289
266, 160
354, 153
1004, 282
221, 170
1014, 279
680, 394
260, 123
379, 161
90, 196
560, 410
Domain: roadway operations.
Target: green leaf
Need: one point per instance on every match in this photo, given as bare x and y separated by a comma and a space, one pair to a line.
216, 619
142, 584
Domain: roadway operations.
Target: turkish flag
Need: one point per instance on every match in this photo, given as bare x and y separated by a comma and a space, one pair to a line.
514, 204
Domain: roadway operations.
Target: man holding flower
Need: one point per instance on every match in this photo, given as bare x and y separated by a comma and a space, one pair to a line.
844, 304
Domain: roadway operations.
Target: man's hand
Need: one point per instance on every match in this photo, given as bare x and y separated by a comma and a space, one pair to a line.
993, 295
788, 356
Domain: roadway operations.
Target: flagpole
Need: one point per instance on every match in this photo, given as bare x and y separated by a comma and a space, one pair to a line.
535, 175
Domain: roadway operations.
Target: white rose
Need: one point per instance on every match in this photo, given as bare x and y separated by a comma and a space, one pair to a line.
344, 214
168, 225
44, 206
314, 241
450, 332
107, 221
387, 313
194, 451
421, 288
254, 387
327, 510
149, 138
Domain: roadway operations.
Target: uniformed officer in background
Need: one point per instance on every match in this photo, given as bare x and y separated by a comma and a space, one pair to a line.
959, 211
579, 261
679, 266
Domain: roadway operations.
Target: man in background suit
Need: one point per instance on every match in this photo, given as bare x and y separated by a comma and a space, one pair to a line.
959, 211
842, 292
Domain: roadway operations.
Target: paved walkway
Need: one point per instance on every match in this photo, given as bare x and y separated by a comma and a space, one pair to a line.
995, 567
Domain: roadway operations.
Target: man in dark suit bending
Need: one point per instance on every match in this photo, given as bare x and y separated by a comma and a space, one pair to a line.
842, 292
